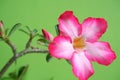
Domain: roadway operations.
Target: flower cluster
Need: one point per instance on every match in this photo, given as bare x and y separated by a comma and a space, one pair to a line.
79, 44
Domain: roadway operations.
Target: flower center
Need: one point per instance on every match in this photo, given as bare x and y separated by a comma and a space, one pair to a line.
78, 43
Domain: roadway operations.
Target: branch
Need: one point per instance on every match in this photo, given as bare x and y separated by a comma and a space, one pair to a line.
11, 46
3, 70
18, 55
29, 41
31, 51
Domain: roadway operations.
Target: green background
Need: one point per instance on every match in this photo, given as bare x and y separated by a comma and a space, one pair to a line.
44, 14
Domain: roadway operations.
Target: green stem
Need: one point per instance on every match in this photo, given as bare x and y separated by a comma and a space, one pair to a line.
18, 55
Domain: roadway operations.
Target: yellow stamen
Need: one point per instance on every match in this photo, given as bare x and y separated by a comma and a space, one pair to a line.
78, 43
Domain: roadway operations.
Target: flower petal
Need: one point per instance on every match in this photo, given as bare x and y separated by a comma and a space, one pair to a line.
69, 25
61, 47
82, 68
100, 52
93, 28
47, 35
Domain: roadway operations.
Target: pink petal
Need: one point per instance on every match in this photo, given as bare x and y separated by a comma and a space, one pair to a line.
93, 28
82, 67
100, 52
61, 47
69, 25
47, 35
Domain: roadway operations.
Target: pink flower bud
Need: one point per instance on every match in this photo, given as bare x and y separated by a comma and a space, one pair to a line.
47, 35
1, 24
1, 29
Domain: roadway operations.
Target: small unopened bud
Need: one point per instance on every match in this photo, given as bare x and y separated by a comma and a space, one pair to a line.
1, 23
2, 31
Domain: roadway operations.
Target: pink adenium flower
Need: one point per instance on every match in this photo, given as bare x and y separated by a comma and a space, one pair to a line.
79, 44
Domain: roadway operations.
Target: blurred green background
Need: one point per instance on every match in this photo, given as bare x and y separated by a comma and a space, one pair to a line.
44, 14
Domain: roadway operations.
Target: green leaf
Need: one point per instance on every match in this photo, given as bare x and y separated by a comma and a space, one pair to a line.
28, 29
24, 31
57, 30
13, 75
14, 28
34, 32
40, 35
6, 31
22, 71
48, 57
42, 41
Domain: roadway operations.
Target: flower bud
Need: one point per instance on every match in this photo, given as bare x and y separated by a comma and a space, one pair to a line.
2, 31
